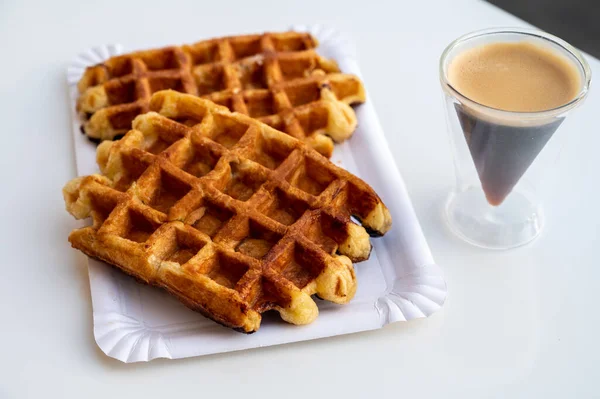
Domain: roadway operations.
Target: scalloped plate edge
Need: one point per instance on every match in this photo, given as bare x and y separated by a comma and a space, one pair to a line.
411, 296
427, 294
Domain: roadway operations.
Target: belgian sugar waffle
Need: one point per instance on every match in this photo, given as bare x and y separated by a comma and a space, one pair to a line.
226, 213
277, 78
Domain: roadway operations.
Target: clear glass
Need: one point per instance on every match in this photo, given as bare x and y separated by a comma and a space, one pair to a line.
499, 205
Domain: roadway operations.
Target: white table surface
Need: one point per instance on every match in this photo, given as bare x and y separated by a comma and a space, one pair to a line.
522, 323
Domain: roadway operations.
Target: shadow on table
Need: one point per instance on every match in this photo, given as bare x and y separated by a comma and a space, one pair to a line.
575, 21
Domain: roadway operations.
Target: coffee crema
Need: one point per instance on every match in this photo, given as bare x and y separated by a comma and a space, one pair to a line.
515, 76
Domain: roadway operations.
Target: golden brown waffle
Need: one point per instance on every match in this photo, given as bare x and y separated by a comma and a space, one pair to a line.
226, 213
277, 78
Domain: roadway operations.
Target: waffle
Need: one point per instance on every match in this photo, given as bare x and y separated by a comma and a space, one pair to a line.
226, 213
277, 78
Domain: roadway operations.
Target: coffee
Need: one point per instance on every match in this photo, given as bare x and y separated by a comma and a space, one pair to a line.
516, 77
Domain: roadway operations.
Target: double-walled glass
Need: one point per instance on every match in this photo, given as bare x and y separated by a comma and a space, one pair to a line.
503, 159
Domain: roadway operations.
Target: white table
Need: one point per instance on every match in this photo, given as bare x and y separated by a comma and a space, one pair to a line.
522, 323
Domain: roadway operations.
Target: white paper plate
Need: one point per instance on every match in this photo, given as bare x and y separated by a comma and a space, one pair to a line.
134, 322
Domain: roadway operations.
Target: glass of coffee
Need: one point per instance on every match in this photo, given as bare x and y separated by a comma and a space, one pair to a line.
506, 93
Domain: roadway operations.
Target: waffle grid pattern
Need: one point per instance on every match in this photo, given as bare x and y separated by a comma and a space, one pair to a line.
277, 78
231, 216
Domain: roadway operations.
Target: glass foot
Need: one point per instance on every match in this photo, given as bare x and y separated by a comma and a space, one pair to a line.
517, 221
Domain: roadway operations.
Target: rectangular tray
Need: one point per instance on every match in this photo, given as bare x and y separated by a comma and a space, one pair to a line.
400, 281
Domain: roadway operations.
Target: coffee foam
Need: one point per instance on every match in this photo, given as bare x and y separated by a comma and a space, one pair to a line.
515, 76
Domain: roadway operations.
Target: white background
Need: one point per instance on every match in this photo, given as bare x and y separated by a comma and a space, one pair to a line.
520, 323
